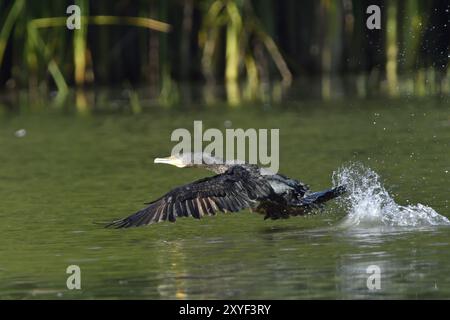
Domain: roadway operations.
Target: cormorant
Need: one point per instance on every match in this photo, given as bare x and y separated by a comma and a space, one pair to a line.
237, 185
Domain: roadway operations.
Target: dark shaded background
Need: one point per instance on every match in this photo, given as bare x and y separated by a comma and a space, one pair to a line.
313, 39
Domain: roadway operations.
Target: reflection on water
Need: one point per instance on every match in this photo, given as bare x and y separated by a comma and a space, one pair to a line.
136, 99
68, 172
173, 279
417, 272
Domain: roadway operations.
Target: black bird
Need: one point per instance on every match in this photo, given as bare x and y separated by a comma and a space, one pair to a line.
237, 185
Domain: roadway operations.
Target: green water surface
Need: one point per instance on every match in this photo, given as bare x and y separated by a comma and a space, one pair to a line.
71, 171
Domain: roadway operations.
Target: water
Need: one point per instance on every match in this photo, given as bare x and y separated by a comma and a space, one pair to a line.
368, 203
62, 172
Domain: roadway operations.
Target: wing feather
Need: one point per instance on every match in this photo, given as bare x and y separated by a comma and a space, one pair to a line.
236, 189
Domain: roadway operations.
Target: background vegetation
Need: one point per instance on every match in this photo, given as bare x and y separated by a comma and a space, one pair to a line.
254, 50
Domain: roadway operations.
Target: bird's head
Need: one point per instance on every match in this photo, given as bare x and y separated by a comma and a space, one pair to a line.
189, 159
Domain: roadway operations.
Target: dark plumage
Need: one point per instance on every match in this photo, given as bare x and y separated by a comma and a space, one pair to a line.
236, 186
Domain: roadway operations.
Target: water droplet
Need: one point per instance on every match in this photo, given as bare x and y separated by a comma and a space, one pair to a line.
20, 133
227, 124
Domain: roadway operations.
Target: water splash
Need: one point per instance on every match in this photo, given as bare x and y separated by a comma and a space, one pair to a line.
369, 204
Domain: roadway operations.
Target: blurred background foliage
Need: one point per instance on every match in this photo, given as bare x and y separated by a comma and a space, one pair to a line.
234, 51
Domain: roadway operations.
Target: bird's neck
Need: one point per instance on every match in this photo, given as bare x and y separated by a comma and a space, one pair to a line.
216, 168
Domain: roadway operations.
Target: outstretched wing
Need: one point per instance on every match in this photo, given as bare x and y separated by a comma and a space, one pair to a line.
234, 190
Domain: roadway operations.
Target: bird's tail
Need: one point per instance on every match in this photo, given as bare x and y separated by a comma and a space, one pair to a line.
315, 200
323, 196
